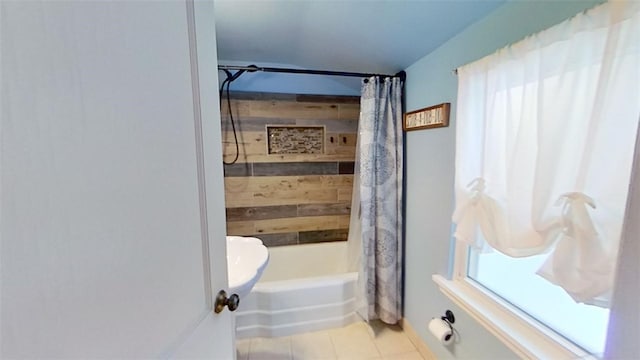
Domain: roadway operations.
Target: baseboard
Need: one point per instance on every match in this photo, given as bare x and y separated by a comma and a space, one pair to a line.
423, 349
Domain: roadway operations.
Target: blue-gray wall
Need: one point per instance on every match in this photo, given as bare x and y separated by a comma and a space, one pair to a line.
430, 168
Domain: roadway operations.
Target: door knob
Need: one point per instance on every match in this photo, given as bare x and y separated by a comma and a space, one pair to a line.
231, 302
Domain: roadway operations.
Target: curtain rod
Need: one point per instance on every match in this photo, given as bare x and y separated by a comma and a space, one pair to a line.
252, 68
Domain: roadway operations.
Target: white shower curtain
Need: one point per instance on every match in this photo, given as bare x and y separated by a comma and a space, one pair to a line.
544, 143
376, 218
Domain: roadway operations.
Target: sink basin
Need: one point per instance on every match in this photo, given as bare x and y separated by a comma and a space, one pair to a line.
246, 259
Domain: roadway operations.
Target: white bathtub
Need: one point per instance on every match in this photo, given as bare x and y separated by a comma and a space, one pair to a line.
304, 288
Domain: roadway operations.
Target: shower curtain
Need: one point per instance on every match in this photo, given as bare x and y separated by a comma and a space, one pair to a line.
375, 233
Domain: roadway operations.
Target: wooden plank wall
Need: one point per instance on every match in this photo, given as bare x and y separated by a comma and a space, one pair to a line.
289, 199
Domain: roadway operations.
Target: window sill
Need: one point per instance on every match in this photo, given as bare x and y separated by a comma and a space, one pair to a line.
523, 335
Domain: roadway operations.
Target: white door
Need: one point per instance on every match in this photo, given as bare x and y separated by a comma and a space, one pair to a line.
112, 205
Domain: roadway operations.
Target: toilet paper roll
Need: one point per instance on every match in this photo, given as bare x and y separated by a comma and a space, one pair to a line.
441, 330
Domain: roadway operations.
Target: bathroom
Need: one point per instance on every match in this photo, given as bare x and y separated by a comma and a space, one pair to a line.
426, 179
89, 172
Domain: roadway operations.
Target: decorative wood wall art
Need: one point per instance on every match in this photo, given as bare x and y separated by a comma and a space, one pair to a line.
427, 118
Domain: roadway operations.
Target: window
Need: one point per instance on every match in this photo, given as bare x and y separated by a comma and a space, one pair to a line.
544, 146
584, 325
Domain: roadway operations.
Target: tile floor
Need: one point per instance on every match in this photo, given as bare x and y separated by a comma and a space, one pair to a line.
353, 342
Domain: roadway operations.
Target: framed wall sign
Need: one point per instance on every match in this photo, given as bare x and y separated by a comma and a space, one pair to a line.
427, 118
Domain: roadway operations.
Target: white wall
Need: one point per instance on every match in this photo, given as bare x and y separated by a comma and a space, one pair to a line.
99, 219
430, 168
624, 320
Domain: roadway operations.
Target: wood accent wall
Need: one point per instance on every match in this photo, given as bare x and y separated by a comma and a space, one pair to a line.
288, 199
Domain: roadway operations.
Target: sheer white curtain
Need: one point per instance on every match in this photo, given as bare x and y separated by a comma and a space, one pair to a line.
545, 138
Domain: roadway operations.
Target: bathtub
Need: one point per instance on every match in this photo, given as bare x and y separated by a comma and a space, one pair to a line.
304, 288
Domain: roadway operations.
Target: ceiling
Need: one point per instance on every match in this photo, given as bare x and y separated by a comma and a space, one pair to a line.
372, 36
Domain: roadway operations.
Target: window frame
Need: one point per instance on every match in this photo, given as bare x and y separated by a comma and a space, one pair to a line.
523, 334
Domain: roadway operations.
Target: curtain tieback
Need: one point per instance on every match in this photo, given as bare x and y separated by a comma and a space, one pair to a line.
579, 263
473, 212
476, 191
575, 217
476, 187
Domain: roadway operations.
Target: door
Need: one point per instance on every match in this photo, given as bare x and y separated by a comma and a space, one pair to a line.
111, 188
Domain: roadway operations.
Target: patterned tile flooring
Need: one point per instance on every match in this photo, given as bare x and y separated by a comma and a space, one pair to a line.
353, 342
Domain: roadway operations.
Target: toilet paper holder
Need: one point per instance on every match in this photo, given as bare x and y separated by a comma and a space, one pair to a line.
442, 328
449, 319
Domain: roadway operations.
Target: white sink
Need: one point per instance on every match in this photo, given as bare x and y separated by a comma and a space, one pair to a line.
246, 259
